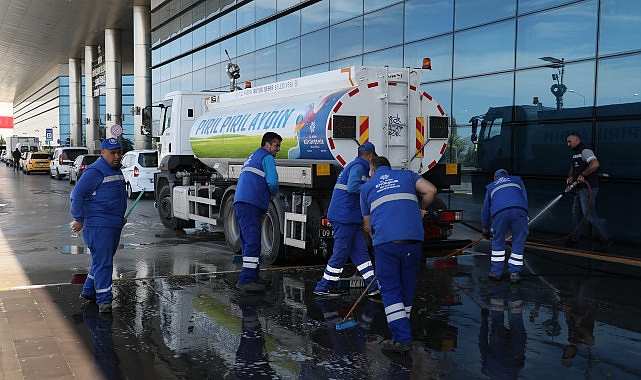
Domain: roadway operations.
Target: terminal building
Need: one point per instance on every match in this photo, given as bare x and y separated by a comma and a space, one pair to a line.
497, 66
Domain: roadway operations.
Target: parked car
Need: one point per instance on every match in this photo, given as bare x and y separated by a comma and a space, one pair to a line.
3, 156
62, 159
35, 162
79, 165
138, 168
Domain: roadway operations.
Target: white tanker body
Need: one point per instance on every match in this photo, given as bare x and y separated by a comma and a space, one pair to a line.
322, 119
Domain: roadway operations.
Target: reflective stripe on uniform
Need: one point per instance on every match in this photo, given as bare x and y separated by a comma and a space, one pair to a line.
112, 178
340, 186
253, 170
395, 311
393, 197
250, 262
503, 186
106, 290
498, 256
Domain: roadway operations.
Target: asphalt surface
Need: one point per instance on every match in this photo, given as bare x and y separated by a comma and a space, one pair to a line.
177, 314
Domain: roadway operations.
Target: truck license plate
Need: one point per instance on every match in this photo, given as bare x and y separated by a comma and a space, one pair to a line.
326, 232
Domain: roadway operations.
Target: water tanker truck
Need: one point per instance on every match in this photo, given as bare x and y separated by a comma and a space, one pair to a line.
205, 138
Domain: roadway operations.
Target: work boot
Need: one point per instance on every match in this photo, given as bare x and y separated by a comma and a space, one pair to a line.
251, 287
329, 293
104, 308
515, 278
494, 277
391, 345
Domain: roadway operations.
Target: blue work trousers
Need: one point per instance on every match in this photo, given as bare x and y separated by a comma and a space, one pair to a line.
580, 204
397, 267
249, 219
102, 243
514, 219
348, 243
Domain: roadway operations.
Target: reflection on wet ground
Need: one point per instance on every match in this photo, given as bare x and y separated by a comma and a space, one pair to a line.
561, 322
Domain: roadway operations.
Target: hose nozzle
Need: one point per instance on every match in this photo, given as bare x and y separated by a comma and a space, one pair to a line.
570, 187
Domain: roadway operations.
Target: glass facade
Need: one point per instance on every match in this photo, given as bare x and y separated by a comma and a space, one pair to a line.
514, 76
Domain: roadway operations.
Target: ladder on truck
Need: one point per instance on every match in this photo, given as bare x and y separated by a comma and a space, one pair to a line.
398, 138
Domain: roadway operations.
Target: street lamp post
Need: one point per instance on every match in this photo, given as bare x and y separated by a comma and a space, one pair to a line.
581, 95
557, 89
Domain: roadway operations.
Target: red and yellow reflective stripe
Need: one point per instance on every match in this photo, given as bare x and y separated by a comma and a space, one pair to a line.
363, 129
420, 136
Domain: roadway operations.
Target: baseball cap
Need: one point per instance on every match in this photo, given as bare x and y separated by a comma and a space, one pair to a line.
500, 173
110, 143
367, 146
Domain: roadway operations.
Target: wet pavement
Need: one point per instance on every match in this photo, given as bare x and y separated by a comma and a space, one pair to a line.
177, 315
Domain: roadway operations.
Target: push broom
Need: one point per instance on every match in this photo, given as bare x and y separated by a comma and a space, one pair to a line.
347, 322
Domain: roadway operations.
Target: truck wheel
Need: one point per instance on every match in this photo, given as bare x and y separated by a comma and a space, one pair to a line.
165, 211
271, 240
232, 234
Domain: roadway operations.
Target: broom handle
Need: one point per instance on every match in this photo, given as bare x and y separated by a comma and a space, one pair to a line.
136, 201
349, 313
467, 246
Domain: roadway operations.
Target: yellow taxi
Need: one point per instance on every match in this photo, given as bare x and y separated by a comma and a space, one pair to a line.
36, 162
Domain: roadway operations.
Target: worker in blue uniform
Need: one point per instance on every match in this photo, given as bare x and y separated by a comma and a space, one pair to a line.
257, 185
505, 207
345, 215
98, 205
392, 213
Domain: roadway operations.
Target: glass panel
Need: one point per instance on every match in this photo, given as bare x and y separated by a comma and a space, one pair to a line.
284, 4
228, 23
200, 79
212, 54
526, 6
381, 29
619, 81
568, 33
214, 75
288, 75
346, 39
439, 50
199, 36
314, 48
186, 19
247, 72
486, 49
246, 15
390, 57
371, 5
265, 8
617, 145
315, 16
315, 69
427, 18
619, 26
265, 35
229, 45
185, 64
472, 98
343, 10
213, 29
199, 60
353, 61
288, 26
246, 42
578, 79
288, 56
266, 62
473, 12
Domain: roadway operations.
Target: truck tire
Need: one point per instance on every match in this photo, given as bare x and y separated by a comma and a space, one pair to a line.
165, 211
232, 233
130, 193
271, 240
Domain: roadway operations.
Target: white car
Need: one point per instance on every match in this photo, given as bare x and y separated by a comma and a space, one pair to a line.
63, 158
138, 168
